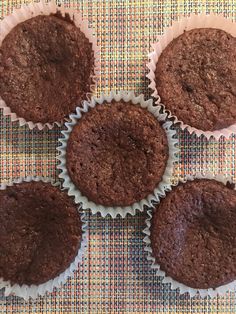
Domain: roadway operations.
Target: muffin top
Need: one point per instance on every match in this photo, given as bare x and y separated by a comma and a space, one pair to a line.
196, 78
193, 234
40, 232
46, 64
117, 154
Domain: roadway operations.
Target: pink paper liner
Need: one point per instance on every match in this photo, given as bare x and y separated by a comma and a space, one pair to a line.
212, 292
42, 8
26, 292
178, 28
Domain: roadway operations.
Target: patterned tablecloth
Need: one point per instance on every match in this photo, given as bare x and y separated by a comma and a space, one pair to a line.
115, 276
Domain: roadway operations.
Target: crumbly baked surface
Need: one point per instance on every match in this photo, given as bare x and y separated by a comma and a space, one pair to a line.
117, 154
40, 232
46, 65
196, 78
193, 234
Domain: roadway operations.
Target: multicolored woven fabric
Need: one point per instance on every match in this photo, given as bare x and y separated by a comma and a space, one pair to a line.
115, 276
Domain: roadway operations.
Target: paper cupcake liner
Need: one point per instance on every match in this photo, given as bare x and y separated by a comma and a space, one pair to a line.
178, 28
42, 8
33, 291
164, 185
212, 292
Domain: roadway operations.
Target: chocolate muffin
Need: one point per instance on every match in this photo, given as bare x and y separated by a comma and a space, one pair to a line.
117, 154
40, 233
193, 234
196, 78
46, 65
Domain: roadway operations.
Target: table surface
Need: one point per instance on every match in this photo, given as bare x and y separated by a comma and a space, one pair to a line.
115, 276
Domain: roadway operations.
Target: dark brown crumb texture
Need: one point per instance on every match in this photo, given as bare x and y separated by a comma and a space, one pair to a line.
46, 65
117, 154
196, 78
193, 234
40, 233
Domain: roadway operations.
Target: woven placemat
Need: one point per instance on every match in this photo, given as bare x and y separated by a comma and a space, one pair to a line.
115, 276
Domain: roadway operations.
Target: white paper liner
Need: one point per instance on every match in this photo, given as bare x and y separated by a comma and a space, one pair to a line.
164, 185
178, 28
212, 292
26, 292
42, 8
